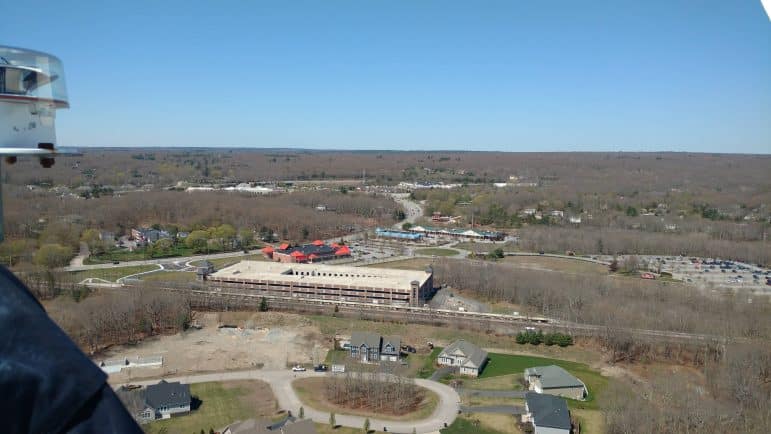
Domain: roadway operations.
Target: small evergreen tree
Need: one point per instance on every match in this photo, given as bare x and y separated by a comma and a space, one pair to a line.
550, 338
366, 425
263, 304
332, 421
302, 413
522, 338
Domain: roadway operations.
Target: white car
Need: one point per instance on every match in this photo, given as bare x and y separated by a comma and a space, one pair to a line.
298, 368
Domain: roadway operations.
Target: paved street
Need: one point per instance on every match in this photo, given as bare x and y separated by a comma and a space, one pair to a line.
281, 384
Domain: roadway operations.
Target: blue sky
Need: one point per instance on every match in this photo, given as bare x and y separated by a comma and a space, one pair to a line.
492, 75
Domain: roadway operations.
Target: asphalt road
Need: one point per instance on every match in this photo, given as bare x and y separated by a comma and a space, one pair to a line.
281, 384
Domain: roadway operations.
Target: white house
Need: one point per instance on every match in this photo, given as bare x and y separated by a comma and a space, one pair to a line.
467, 357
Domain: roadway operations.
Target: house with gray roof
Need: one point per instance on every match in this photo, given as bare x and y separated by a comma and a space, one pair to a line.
554, 380
371, 347
468, 358
168, 399
548, 414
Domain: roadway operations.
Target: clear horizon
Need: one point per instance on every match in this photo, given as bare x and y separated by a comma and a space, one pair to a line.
400, 76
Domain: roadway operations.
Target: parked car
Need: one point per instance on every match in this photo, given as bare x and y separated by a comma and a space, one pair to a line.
298, 368
320, 368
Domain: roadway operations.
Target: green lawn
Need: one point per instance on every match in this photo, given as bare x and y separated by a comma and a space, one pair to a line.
169, 276
405, 264
436, 252
507, 364
221, 404
463, 425
429, 364
111, 274
502, 382
487, 247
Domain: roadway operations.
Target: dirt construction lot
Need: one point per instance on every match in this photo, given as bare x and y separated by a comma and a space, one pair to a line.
266, 340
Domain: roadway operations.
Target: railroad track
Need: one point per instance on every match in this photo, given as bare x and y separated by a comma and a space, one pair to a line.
426, 315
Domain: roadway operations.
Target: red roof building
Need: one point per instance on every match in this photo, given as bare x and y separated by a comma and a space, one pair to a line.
283, 246
267, 251
343, 251
318, 243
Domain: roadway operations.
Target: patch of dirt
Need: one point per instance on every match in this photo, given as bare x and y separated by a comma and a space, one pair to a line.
258, 340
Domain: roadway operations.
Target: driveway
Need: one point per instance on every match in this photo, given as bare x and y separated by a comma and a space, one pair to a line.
520, 394
441, 372
281, 384
515, 410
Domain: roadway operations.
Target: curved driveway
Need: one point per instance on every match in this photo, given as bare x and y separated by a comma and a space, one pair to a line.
281, 382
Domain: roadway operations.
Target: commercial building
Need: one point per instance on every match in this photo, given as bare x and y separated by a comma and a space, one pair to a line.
399, 235
469, 234
325, 282
314, 252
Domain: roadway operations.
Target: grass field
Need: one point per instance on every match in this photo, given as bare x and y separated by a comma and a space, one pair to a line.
169, 276
436, 252
221, 404
226, 262
429, 363
406, 264
487, 247
592, 421
111, 274
482, 424
507, 364
501, 382
311, 392
563, 265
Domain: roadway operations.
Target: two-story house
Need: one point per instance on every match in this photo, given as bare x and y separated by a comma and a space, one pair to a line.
370, 347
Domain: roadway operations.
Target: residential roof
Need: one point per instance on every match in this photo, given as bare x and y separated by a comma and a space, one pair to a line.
371, 340
473, 353
343, 251
133, 400
267, 249
553, 377
395, 341
548, 411
166, 394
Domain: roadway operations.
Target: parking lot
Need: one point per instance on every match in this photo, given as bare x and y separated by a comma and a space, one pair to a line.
709, 273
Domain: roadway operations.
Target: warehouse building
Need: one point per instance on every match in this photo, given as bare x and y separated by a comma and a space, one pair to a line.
325, 282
